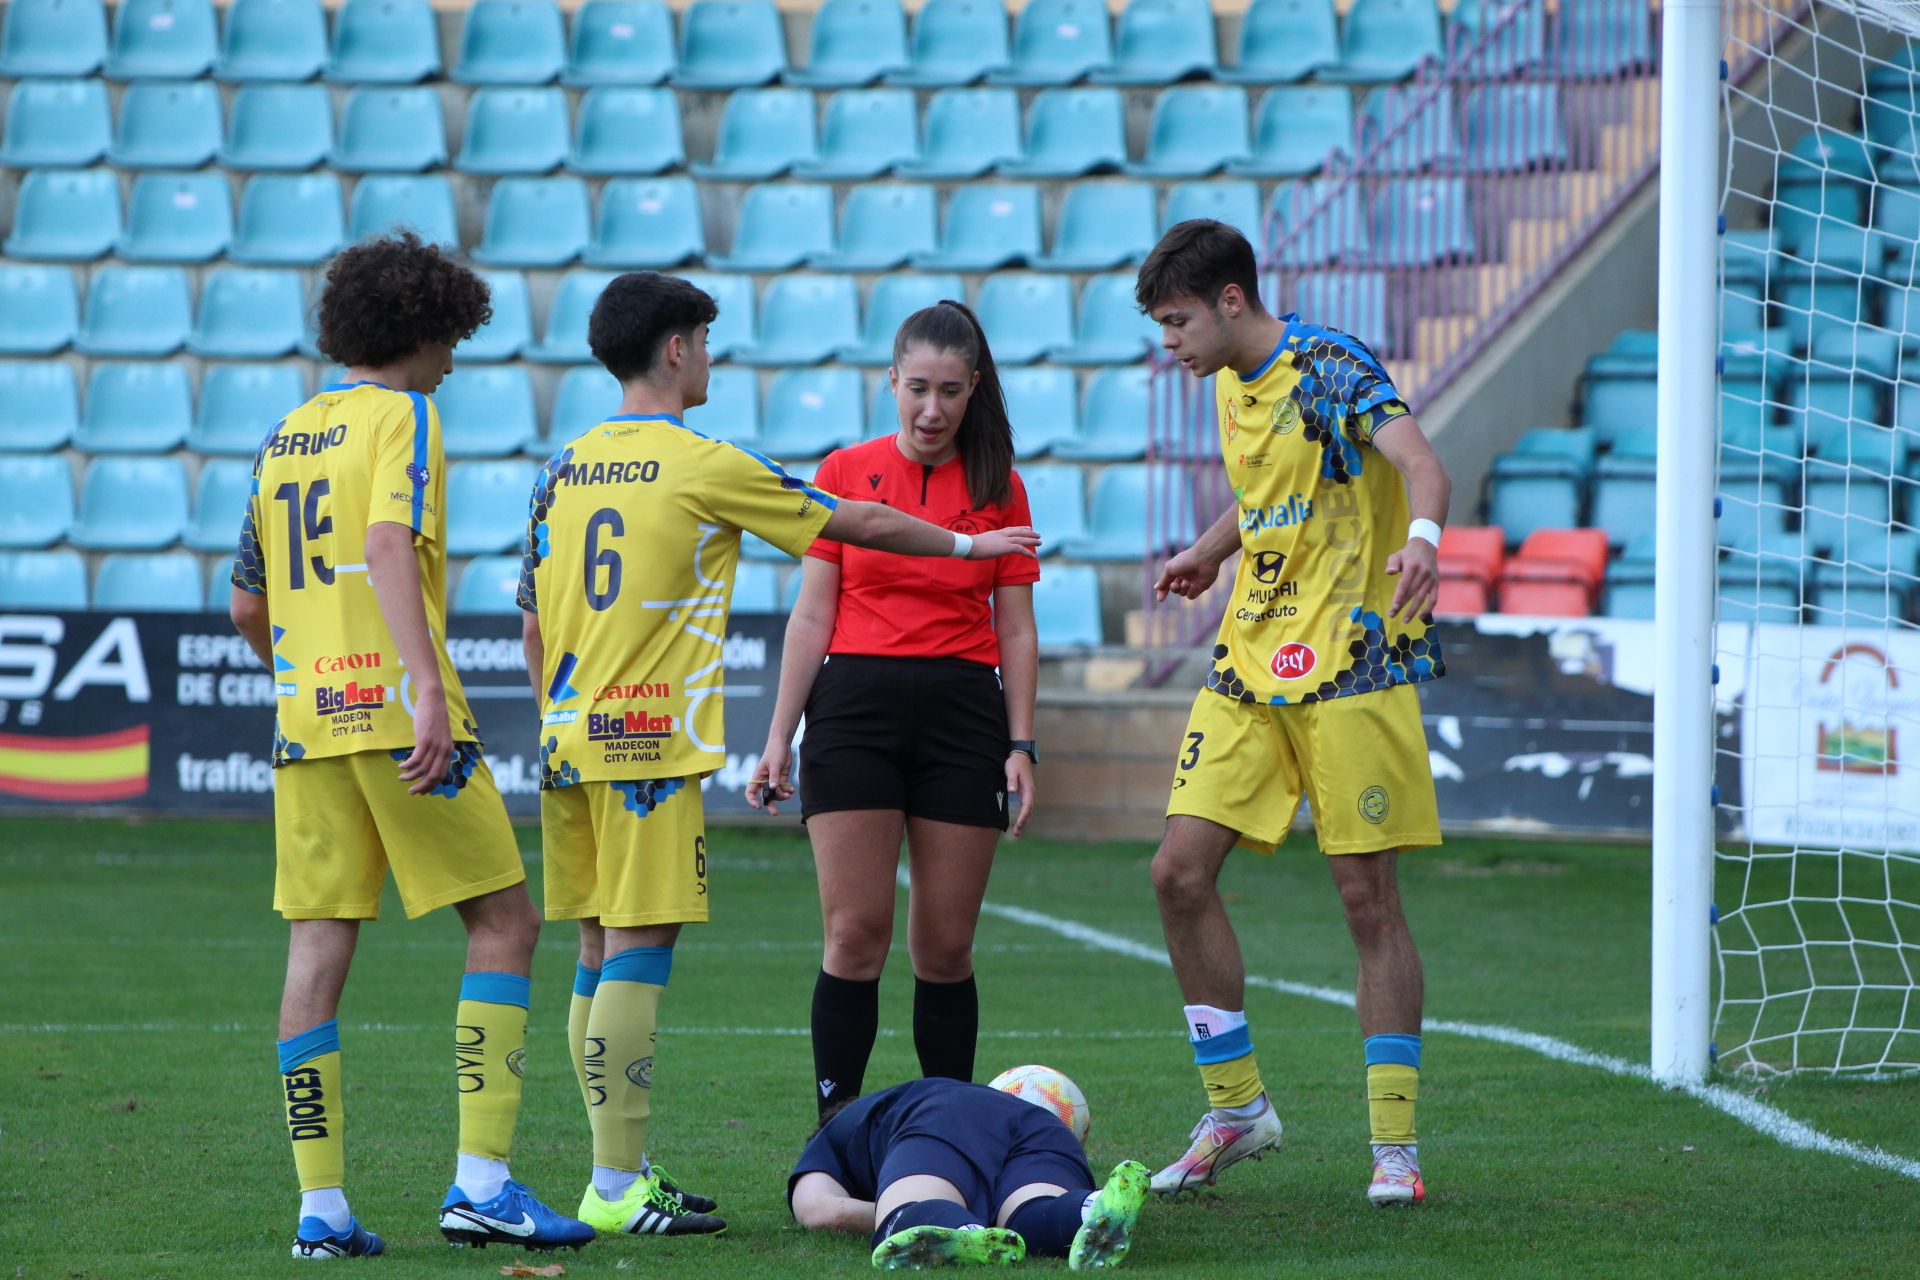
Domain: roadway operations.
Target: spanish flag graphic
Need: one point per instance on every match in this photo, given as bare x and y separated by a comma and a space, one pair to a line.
78, 770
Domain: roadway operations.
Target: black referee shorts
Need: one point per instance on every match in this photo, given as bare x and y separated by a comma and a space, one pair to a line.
925, 736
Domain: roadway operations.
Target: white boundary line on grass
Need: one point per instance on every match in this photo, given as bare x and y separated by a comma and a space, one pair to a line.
406, 1028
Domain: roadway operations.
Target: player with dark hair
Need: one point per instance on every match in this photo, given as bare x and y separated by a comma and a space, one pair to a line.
918, 684
1325, 631
340, 589
633, 536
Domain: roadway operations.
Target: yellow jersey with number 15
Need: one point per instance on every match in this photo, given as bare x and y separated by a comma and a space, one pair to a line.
351, 457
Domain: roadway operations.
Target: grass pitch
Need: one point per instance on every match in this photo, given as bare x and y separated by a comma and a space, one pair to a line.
139, 1132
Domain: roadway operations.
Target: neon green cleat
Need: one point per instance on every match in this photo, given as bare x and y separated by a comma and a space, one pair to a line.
647, 1209
918, 1248
1103, 1239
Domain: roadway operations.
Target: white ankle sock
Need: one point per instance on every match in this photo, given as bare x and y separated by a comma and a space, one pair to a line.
613, 1184
329, 1204
1247, 1112
480, 1177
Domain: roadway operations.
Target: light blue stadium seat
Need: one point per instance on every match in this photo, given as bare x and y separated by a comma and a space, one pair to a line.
131, 504
733, 294
1623, 497
167, 124
620, 42
36, 500
627, 131
1295, 128
1896, 228
1751, 495
1385, 40
511, 42
882, 226
1613, 406
178, 217
1236, 203
511, 329
1066, 607
1513, 126
487, 506
39, 405
1116, 524
162, 40
1642, 549
1771, 596
1823, 404
763, 133
489, 584
383, 203
1043, 404
1859, 597
220, 498
248, 314
1422, 220
1058, 42
1196, 129
162, 582
853, 43
1351, 301
1025, 315
278, 126
289, 219
780, 226
239, 403
1500, 37
1629, 592
804, 319
384, 42
486, 411
565, 341
535, 222
732, 410
43, 580
136, 407
1057, 497
955, 42
56, 124
966, 133
385, 130
53, 38
1529, 492
756, 588
894, 298
989, 225
730, 44
587, 396
136, 311
1113, 417
648, 222
1283, 41
1573, 446
1408, 128
1112, 329
1602, 37
1072, 132
514, 131
883, 408
811, 412
1159, 42
272, 40
865, 133
39, 310
65, 214
1102, 225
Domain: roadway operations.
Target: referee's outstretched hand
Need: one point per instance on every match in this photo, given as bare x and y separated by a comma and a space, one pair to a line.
772, 777
1014, 540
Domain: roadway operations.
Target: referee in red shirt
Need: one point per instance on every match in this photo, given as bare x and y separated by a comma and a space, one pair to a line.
917, 680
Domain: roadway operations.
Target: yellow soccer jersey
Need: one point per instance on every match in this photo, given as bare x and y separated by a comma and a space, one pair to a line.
354, 455
632, 539
1320, 512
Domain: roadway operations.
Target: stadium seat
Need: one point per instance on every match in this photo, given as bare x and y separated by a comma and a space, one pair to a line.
514, 130
1319, 221
587, 396
1025, 315
1196, 130
1160, 42
136, 311
1614, 405
1113, 417
763, 132
955, 42
756, 588
535, 222
852, 43
1462, 598
65, 214
1284, 40
43, 580
733, 294
1623, 496
1502, 37
1629, 592
1512, 127
220, 498
730, 44
56, 124
487, 506
36, 499
1112, 329
1236, 203
1578, 554
1408, 129
1526, 492
1353, 302
882, 226
1573, 445
1102, 225
1544, 592
1057, 498
865, 133
627, 131
883, 408
620, 42
239, 404
804, 319
1116, 527
167, 124
44, 38
131, 504
810, 412
1468, 551
486, 411
732, 410
517, 42
489, 584
1057, 42
647, 222
248, 314
384, 42
1771, 596
1857, 596
1066, 607
143, 407
164, 582
1043, 404
988, 226
178, 217
384, 203
1417, 221
391, 130
289, 219
278, 126
1386, 40
511, 329
967, 132
779, 227
894, 298
1295, 128
39, 405
272, 40
39, 310
1603, 37
162, 40
566, 332
1072, 132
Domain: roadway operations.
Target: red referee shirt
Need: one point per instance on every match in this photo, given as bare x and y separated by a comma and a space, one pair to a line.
915, 606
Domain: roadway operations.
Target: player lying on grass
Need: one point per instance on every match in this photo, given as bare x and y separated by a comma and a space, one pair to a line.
943, 1172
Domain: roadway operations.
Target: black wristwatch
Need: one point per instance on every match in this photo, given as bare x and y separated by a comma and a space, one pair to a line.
1025, 747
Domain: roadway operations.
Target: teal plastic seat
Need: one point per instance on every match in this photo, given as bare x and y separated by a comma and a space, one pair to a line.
732, 410
1112, 328
135, 407
1196, 129
1528, 493
384, 42
1513, 127
66, 215
36, 500
272, 40
989, 225
513, 42
489, 585
587, 396
514, 130
865, 133
811, 412
1066, 608
39, 405
1058, 42
56, 124
853, 43
733, 294
136, 311
383, 203
882, 226
1614, 406
620, 42
289, 220
763, 133
565, 339
1417, 221
780, 226
627, 131
1057, 497
804, 319
535, 222
167, 124
1855, 596
730, 44
1284, 40
1387, 40
955, 42
648, 222
511, 329
893, 299
131, 504
1354, 302
163, 582
43, 580
279, 127
1025, 315
1296, 127
386, 130
178, 217
1602, 38
1236, 203
1408, 129
239, 404
1116, 529
1499, 38
883, 409
162, 40
220, 499
1161, 42
1102, 225
1073, 132
1113, 417
756, 589
1043, 404
966, 133
39, 310
486, 411
248, 314
53, 38
487, 506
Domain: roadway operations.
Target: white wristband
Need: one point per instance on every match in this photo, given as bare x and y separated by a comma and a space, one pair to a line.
1425, 529
962, 547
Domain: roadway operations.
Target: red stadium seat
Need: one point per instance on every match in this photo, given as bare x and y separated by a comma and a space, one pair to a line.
1463, 597
1583, 552
1473, 552
1549, 599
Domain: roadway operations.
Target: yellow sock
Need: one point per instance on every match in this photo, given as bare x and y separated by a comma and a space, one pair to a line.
626, 1006
1232, 1084
310, 1079
1393, 1087
585, 980
1223, 1050
489, 1046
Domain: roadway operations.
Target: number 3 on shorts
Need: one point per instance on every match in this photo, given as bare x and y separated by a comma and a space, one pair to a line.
1192, 755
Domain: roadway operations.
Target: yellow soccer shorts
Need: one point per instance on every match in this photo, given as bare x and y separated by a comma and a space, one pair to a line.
1361, 762
629, 853
340, 822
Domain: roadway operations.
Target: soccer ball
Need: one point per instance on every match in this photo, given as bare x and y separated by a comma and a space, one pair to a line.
1049, 1090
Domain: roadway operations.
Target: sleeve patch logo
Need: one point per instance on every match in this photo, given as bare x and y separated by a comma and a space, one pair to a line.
420, 476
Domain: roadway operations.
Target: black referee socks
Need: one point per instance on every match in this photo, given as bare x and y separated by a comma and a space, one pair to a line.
846, 1017
946, 1023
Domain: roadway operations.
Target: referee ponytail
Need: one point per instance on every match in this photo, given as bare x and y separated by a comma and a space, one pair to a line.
985, 437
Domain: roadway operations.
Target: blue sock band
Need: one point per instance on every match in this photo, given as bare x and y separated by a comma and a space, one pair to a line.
585, 980
1398, 1050
1225, 1047
926, 1213
639, 964
496, 988
309, 1044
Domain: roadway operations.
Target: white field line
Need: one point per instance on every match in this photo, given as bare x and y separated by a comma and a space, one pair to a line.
404, 1028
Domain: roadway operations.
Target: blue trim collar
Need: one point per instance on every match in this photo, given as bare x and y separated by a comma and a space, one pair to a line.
647, 417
